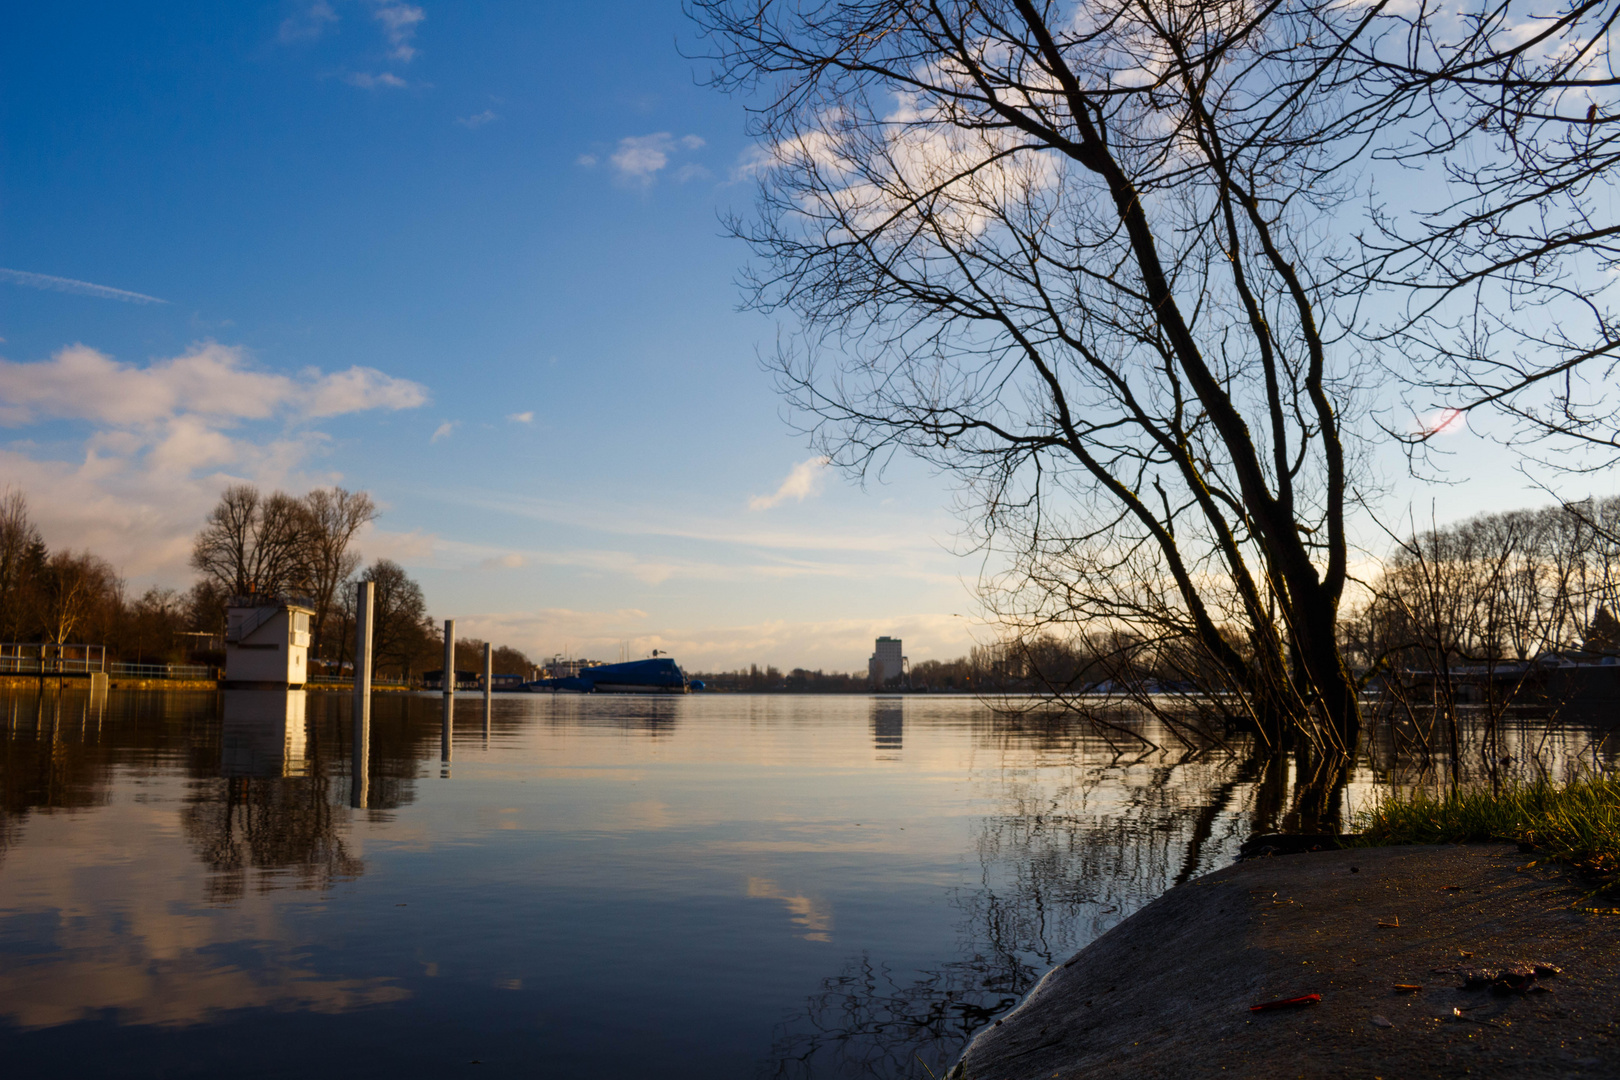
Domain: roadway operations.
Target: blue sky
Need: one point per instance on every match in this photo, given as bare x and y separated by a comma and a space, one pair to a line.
514, 225
464, 256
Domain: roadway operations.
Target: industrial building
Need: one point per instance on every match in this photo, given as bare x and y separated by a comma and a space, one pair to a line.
887, 667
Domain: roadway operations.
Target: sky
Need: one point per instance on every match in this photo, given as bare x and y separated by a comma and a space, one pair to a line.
469, 258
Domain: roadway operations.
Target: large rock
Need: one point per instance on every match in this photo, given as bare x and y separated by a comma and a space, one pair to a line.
1167, 992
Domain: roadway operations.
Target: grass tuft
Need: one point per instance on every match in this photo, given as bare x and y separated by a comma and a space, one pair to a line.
1577, 824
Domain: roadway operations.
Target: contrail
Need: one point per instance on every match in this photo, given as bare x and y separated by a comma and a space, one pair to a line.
68, 285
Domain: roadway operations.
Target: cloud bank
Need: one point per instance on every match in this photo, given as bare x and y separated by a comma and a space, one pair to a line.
164, 439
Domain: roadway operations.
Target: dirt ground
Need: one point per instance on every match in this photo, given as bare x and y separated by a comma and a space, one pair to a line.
1167, 992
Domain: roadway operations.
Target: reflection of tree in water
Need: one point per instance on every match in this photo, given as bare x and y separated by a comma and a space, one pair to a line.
287, 825
54, 755
1083, 837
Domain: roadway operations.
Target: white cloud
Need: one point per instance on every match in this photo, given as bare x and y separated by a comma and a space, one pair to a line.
521, 417
442, 431
359, 388
210, 381
477, 120
510, 561
588, 160
412, 548
166, 438
803, 481
368, 81
639, 158
308, 24
69, 285
399, 26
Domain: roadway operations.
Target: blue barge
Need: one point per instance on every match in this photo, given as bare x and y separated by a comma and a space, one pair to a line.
660, 675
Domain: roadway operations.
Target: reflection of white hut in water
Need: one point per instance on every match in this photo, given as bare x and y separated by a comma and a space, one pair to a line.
266, 643
262, 733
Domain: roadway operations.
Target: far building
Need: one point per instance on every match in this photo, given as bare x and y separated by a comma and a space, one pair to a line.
887, 667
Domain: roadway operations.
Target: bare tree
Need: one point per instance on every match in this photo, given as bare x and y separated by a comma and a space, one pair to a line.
401, 633
1071, 253
254, 544
1504, 272
22, 561
334, 516
1462, 616
75, 586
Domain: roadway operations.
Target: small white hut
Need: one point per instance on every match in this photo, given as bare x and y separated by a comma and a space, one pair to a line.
266, 643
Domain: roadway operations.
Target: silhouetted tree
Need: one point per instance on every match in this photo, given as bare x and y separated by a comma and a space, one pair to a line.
22, 563
77, 589
254, 544
333, 517
1089, 292
1106, 264
402, 635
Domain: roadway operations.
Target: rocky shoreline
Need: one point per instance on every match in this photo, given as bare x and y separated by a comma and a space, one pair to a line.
1395, 941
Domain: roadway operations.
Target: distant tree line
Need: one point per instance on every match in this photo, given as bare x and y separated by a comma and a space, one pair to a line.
250, 545
1494, 590
65, 596
1507, 586
986, 668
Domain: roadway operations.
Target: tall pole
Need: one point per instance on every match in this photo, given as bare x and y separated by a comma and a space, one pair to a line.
360, 770
449, 657
489, 685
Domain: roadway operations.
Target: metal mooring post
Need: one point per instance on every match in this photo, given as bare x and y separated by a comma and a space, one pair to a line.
360, 768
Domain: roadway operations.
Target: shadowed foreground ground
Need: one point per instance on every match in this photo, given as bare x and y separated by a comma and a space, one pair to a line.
1166, 993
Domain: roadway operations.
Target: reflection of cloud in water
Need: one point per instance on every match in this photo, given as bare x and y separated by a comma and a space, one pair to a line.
1075, 839
816, 921
174, 993
155, 956
643, 815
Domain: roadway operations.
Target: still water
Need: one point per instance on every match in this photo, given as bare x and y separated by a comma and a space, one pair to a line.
702, 886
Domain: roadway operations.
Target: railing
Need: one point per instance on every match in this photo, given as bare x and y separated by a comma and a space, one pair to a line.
160, 671
348, 680
24, 658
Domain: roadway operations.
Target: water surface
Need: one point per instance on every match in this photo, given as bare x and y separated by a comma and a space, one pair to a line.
702, 886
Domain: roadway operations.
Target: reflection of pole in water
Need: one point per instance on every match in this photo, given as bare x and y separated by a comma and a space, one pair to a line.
445, 728
360, 768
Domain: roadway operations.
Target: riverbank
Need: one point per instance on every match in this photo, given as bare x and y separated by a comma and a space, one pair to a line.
1167, 992
61, 682
58, 682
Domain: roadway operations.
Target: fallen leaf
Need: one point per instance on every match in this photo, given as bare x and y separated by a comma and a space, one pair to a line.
1287, 1003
